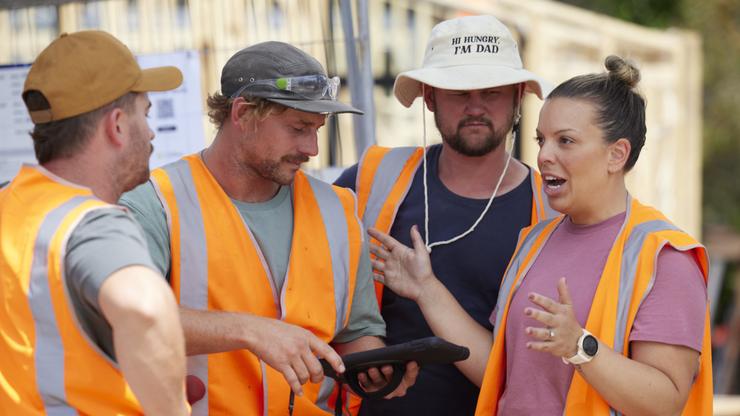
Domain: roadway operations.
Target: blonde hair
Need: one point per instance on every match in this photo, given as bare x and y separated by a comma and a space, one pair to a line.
219, 108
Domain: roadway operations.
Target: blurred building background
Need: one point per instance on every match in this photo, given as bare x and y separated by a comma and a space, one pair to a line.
557, 41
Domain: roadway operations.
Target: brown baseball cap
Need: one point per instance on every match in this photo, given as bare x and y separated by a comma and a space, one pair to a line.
83, 71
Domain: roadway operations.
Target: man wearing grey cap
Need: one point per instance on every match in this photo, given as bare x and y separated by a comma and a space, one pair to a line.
467, 195
269, 264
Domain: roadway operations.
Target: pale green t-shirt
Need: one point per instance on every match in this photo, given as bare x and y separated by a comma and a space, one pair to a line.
271, 223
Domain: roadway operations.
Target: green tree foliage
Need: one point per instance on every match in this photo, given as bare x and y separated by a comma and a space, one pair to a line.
653, 13
718, 22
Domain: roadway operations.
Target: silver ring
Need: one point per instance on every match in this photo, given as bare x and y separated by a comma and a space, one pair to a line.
551, 334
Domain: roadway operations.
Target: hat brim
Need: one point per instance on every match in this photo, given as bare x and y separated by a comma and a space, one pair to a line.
468, 77
316, 106
163, 78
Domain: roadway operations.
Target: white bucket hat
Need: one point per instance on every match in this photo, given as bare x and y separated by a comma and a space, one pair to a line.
468, 53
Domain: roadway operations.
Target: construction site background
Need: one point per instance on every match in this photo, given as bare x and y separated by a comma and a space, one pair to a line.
557, 41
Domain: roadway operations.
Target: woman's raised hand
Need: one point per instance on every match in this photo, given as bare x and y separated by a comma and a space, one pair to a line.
403, 269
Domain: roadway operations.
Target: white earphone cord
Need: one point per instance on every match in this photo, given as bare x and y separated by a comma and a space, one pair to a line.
426, 190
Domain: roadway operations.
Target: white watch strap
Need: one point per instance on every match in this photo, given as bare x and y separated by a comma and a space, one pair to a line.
581, 357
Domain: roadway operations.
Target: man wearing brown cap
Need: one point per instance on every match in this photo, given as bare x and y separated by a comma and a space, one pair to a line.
88, 325
268, 263
467, 195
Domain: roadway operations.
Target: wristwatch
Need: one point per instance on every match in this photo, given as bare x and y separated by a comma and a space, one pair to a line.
588, 345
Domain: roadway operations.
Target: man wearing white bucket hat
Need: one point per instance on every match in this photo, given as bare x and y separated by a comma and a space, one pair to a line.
469, 195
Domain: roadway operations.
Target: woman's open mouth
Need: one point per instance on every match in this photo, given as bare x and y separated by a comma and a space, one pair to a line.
553, 182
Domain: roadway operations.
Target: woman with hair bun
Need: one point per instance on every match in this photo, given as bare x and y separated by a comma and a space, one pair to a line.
603, 310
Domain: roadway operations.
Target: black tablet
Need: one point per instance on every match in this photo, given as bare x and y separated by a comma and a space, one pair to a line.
431, 350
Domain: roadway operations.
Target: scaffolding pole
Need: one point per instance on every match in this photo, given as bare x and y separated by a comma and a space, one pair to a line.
359, 74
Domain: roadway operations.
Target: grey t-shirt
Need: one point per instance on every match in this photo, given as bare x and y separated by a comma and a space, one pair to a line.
105, 241
271, 223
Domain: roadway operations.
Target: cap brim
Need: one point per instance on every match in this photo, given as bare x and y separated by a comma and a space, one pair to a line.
469, 77
316, 106
163, 78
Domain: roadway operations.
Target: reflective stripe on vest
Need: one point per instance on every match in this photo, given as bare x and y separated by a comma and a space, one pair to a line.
49, 356
192, 292
633, 261
49, 365
321, 214
332, 213
628, 274
388, 173
541, 210
517, 267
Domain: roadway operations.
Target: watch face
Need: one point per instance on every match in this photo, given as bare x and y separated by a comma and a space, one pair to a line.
590, 345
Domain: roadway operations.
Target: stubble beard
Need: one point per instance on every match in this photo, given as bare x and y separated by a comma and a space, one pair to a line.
136, 162
276, 171
491, 141
251, 162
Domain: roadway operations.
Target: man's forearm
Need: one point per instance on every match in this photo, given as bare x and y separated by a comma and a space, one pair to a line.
148, 338
288, 348
209, 332
152, 358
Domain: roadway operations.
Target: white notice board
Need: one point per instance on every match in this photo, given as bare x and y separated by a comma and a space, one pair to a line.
15, 143
175, 117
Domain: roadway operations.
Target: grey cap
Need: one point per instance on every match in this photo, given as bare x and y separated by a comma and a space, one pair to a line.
273, 60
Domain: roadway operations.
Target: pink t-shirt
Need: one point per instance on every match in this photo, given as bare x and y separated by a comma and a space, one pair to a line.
672, 312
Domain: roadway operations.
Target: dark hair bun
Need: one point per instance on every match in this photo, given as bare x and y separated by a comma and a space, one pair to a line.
622, 70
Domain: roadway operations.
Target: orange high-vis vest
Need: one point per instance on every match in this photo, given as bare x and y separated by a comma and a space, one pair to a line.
384, 177
217, 265
48, 365
627, 277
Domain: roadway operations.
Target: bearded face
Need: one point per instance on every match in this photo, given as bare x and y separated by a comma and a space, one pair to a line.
476, 122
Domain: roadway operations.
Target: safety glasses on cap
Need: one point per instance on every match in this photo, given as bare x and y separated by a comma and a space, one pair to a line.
312, 87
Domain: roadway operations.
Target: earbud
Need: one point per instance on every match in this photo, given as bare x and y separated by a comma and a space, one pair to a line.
515, 130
